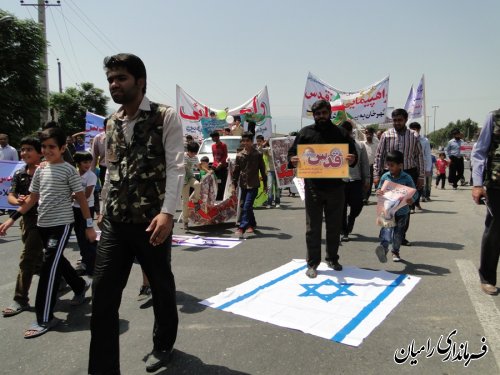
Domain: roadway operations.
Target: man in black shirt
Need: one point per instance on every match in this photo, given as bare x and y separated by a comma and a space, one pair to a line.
323, 194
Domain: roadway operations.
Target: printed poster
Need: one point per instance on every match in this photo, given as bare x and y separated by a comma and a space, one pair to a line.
7, 170
394, 197
323, 160
279, 150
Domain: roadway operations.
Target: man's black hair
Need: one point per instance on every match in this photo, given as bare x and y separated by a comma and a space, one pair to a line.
319, 104
415, 125
50, 125
205, 159
215, 133
237, 118
259, 136
400, 112
81, 156
455, 131
247, 135
56, 133
370, 130
395, 157
192, 147
33, 142
132, 63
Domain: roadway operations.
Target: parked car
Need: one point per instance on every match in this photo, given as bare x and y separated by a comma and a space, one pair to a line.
232, 142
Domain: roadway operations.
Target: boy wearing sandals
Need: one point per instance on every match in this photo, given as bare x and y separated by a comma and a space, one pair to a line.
52, 187
31, 255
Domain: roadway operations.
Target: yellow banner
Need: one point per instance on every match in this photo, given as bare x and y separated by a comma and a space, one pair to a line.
323, 161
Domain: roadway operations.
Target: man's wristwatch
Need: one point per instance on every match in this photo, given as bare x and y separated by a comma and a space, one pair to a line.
89, 222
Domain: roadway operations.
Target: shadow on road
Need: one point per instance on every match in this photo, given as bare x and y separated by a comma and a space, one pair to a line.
438, 245
184, 363
417, 269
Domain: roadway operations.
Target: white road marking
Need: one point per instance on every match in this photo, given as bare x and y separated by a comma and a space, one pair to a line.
485, 307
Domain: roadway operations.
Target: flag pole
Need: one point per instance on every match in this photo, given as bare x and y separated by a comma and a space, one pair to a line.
425, 105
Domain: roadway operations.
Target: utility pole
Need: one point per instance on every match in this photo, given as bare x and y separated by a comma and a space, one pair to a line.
59, 72
435, 107
44, 78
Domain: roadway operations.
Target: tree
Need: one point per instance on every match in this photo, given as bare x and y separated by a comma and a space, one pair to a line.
441, 137
74, 102
21, 50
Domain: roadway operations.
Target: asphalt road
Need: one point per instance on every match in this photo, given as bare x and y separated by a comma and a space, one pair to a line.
444, 253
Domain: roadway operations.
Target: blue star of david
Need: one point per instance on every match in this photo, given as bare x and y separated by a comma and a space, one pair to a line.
312, 290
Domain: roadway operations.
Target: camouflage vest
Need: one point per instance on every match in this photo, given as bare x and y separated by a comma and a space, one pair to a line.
137, 170
492, 180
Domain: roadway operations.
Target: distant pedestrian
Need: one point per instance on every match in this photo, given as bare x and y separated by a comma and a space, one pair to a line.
456, 172
7, 152
441, 165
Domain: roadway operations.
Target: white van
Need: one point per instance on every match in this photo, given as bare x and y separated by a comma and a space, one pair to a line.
232, 142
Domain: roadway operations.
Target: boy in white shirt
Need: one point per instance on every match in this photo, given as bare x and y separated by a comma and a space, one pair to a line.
83, 161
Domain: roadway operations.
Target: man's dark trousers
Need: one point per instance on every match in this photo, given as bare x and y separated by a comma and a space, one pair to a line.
329, 201
119, 244
490, 244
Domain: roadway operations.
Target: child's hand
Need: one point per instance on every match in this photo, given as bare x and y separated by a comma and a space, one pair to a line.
21, 199
3, 228
409, 201
379, 193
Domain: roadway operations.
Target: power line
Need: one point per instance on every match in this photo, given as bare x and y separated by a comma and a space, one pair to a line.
100, 34
63, 46
71, 44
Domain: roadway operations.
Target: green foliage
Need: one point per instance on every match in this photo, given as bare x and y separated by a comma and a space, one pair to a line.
21, 51
441, 137
74, 102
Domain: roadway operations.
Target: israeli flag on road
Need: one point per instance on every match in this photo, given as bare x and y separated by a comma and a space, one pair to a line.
340, 306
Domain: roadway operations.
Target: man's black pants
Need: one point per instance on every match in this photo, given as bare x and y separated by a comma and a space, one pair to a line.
354, 199
330, 202
456, 171
119, 244
490, 244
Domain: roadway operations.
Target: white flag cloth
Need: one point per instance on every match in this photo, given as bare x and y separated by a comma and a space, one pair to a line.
415, 102
340, 306
366, 106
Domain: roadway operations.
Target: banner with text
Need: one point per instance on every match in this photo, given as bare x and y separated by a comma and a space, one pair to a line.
7, 170
191, 112
94, 124
416, 101
366, 106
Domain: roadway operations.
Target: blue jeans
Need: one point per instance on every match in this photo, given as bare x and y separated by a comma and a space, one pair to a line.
394, 235
272, 186
247, 216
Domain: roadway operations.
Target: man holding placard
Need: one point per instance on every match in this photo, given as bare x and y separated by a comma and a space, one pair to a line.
322, 153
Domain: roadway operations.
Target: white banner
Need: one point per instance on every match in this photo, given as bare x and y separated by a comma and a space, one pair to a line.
366, 106
416, 101
94, 124
191, 111
7, 170
340, 306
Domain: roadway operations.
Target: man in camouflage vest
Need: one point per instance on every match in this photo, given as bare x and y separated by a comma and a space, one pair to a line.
145, 161
485, 159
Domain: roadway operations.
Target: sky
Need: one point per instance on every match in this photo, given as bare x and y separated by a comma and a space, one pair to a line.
223, 52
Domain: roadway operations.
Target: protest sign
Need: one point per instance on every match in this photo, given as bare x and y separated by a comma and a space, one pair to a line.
94, 124
366, 106
394, 197
7, 170
322, 161
279, 147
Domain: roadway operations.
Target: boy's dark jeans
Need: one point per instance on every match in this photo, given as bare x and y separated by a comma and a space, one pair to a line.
247, 215
87, 249
394, 235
